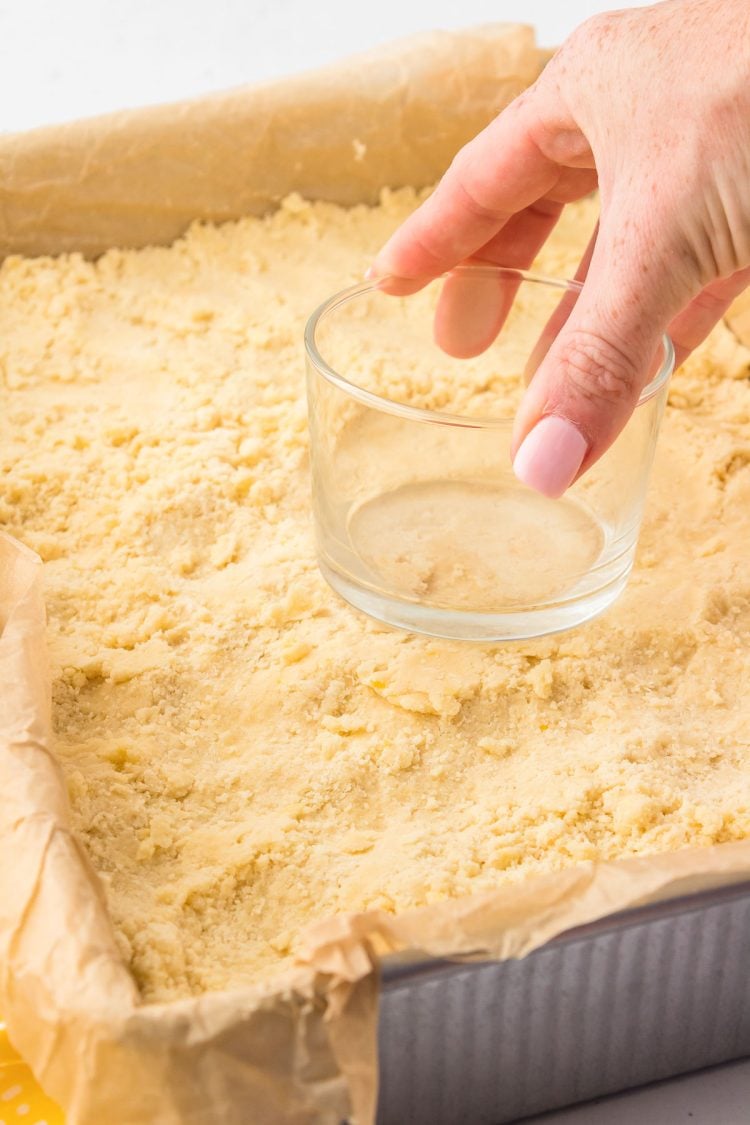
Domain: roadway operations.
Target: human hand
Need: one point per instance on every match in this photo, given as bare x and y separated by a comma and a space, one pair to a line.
653, 106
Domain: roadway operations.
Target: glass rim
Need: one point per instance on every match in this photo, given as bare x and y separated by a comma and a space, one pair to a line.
420, 413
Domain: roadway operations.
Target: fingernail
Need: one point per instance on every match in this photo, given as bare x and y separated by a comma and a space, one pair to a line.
369, 273
550, 456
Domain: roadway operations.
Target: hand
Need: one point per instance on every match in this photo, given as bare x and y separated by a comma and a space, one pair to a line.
653, 106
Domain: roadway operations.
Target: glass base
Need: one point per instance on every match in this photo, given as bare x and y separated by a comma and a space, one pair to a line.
460, 625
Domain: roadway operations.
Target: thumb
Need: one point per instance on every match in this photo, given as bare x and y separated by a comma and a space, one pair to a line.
590, 379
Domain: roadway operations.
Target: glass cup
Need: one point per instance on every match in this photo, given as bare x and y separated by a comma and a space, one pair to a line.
420, 521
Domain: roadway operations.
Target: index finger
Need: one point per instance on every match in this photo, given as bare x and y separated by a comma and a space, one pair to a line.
502, 171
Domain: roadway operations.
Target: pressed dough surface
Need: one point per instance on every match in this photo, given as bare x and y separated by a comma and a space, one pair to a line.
244, 753
470, 545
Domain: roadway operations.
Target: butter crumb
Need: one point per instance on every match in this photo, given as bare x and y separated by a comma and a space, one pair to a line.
244, 754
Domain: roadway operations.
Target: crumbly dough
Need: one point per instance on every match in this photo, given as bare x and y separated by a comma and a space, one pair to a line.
244, 753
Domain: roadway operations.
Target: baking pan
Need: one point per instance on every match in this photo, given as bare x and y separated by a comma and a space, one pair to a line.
615, 1004
640, 996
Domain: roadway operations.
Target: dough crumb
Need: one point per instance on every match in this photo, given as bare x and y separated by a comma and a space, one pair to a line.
245, 754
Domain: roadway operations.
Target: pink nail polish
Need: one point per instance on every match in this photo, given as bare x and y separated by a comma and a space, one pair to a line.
550, 456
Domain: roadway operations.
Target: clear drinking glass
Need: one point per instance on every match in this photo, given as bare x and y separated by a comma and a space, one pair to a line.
420, 521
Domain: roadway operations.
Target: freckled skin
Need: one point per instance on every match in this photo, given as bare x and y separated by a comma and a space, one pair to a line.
652, 106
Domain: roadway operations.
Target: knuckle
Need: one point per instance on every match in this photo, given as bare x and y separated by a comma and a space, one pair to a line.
477, 208
603, 25
577, 67
598, 370
711, 301
594, 30
428, 252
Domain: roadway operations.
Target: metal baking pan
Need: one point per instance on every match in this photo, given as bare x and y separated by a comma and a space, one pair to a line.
639, 996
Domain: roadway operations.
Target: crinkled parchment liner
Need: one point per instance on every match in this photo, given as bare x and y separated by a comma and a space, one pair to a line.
303, 1048
390, 117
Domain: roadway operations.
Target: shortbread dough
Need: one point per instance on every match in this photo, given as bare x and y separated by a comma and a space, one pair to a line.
245, 753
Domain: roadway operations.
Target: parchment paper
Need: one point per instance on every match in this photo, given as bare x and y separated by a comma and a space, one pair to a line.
301, 1049
392, 116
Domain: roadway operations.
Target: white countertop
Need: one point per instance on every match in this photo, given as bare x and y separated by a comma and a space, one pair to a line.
81, 57
720, 1096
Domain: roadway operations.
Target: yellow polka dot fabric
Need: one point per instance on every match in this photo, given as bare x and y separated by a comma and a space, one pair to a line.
21, 1100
